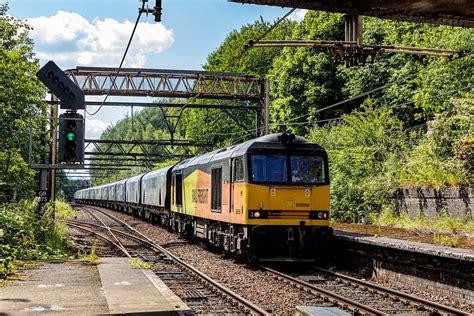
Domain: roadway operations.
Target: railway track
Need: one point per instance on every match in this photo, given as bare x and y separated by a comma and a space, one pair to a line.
334, 290
382, 301
412, 300
202, 293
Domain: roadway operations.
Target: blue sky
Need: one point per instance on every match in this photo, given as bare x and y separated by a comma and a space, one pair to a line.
95, 33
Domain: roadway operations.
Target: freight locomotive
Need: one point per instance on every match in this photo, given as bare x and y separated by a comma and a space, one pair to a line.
266, 197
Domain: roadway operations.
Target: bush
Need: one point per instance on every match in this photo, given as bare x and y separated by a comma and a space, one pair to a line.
440, 225
365, 150
444, 156
371, 155
27, 237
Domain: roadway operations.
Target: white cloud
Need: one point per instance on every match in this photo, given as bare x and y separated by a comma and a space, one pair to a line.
94, 128
298, 15
70, 40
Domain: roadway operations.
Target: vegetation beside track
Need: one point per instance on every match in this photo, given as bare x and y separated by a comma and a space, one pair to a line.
416, 133
372, 155
27, 237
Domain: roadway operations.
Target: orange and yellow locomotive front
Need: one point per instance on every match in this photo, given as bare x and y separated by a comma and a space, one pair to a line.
261, 204
266, 193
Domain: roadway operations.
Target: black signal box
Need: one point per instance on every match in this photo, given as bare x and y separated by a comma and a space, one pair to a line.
71, 138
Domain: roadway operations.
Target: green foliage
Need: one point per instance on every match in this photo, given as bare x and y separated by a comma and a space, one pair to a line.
443, 156
135, 262
371, 156
447, 241
63, 210
441, 225
232, 56
28, 237
92, 258
365, 150
21, 107
304, 80
7, 259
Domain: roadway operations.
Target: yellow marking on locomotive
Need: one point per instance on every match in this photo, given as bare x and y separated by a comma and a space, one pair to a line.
287, 205
294, 204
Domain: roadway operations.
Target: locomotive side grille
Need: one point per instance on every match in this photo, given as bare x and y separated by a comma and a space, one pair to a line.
288, 214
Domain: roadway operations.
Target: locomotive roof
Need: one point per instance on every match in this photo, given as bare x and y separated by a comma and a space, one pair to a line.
271, 141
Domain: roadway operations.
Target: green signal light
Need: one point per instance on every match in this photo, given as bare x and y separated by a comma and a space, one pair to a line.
70, 136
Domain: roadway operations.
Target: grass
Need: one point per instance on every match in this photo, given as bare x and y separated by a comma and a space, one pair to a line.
447, 241
92, 258
135, 262
64, 210
443, 224
29, 237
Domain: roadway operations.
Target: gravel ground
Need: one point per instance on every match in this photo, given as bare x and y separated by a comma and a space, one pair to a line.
464, 306
257, 286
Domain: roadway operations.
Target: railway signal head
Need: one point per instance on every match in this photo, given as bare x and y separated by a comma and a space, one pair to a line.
70, 95
71, 138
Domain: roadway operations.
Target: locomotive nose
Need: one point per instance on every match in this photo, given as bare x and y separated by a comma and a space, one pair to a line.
289, 199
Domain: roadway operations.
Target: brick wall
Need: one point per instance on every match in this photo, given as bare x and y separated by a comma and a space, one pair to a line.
457, 201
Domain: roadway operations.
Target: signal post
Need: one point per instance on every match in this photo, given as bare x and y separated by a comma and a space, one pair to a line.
69, 144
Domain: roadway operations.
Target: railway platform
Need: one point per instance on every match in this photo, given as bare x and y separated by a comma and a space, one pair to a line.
136, 291
54, 287
76, 288
406, 245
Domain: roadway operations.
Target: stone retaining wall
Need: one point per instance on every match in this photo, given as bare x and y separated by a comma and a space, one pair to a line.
430, 202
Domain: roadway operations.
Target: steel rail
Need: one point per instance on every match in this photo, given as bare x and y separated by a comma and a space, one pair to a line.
119, 243
433, 306
81, 227
334, 298
242, 301
116, 231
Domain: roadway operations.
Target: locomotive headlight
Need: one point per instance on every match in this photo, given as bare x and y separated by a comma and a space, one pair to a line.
321, 215
258, 214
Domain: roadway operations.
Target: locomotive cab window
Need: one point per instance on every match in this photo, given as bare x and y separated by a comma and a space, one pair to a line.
216, 189
307, 169
179, 189
269, 168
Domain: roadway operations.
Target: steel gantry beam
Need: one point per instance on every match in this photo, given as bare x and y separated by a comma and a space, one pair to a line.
145, 148
168, 83
240, 92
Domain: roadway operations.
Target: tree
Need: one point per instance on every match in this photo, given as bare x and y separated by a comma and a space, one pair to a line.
21, 107
365, 151
304, 80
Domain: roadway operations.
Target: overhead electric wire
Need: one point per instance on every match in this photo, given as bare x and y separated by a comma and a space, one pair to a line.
434, 96
375, 89
121, 63
250, 131
240, 55
251, 43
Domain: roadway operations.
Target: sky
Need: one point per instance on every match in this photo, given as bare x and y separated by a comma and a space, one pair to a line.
95, 33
